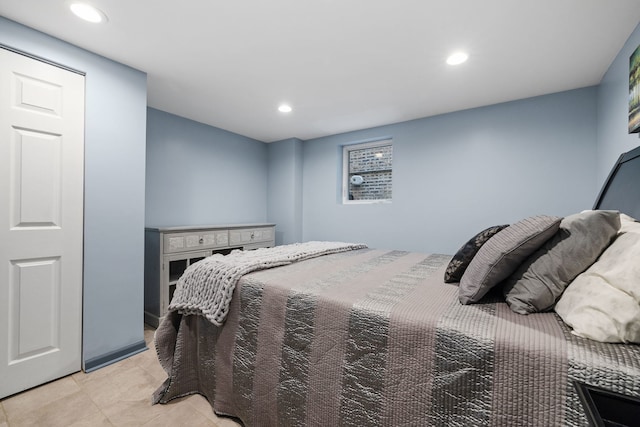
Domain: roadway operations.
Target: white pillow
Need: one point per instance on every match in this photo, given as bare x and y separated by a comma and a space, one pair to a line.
603, 303
628, 224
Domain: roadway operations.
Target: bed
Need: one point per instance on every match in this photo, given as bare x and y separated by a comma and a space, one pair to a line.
372, 337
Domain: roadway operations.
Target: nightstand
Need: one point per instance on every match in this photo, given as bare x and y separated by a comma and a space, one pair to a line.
608, 409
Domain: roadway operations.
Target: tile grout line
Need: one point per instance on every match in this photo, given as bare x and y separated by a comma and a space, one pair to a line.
197, 409
82, 389
4, 412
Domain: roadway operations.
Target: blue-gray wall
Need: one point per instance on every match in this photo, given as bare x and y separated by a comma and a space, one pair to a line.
199, 174
115, 116
613, 110
284, 204
457, 173
453, 174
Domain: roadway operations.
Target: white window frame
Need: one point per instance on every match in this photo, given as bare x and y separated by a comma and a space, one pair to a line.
346, 149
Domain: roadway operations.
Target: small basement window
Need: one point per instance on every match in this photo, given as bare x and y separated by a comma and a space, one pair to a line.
366, 176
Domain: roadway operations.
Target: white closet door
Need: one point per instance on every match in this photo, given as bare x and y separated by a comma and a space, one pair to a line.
41, 221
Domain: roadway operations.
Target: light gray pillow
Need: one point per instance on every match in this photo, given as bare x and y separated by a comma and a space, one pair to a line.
503, 253
538, 283
603, 303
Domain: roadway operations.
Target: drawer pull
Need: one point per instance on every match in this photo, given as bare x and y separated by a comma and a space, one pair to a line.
201, 241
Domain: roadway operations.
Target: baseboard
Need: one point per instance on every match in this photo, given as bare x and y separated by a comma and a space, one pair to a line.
151, 319
114, 356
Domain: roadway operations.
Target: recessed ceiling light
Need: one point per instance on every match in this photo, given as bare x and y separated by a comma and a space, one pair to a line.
457, 58
284, 108
87, 12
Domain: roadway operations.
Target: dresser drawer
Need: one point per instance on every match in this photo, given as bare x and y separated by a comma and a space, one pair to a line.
250, 235
180, 242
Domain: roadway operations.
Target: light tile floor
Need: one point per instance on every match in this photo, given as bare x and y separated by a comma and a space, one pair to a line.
116, 395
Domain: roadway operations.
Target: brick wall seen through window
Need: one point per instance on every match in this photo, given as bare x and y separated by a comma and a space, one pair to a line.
367, 172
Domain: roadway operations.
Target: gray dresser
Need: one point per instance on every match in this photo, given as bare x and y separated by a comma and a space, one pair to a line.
170, 250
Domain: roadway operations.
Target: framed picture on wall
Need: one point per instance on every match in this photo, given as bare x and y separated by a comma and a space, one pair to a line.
634, 91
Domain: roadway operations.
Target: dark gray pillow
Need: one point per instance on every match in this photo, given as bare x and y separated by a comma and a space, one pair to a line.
503, 253
538, 283
465, 254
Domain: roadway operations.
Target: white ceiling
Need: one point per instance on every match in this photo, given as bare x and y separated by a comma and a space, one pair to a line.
342, 64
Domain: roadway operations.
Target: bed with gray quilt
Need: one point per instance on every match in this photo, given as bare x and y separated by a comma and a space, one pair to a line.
372, 337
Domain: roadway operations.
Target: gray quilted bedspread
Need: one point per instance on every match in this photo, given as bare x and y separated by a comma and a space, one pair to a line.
376, 338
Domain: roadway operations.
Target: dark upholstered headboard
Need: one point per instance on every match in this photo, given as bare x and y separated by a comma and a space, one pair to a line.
621, 190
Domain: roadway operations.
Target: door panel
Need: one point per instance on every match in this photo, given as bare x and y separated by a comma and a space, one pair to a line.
36, 193
41, 221
34, 293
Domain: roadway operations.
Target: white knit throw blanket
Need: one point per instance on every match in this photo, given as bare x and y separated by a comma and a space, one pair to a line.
206, 287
